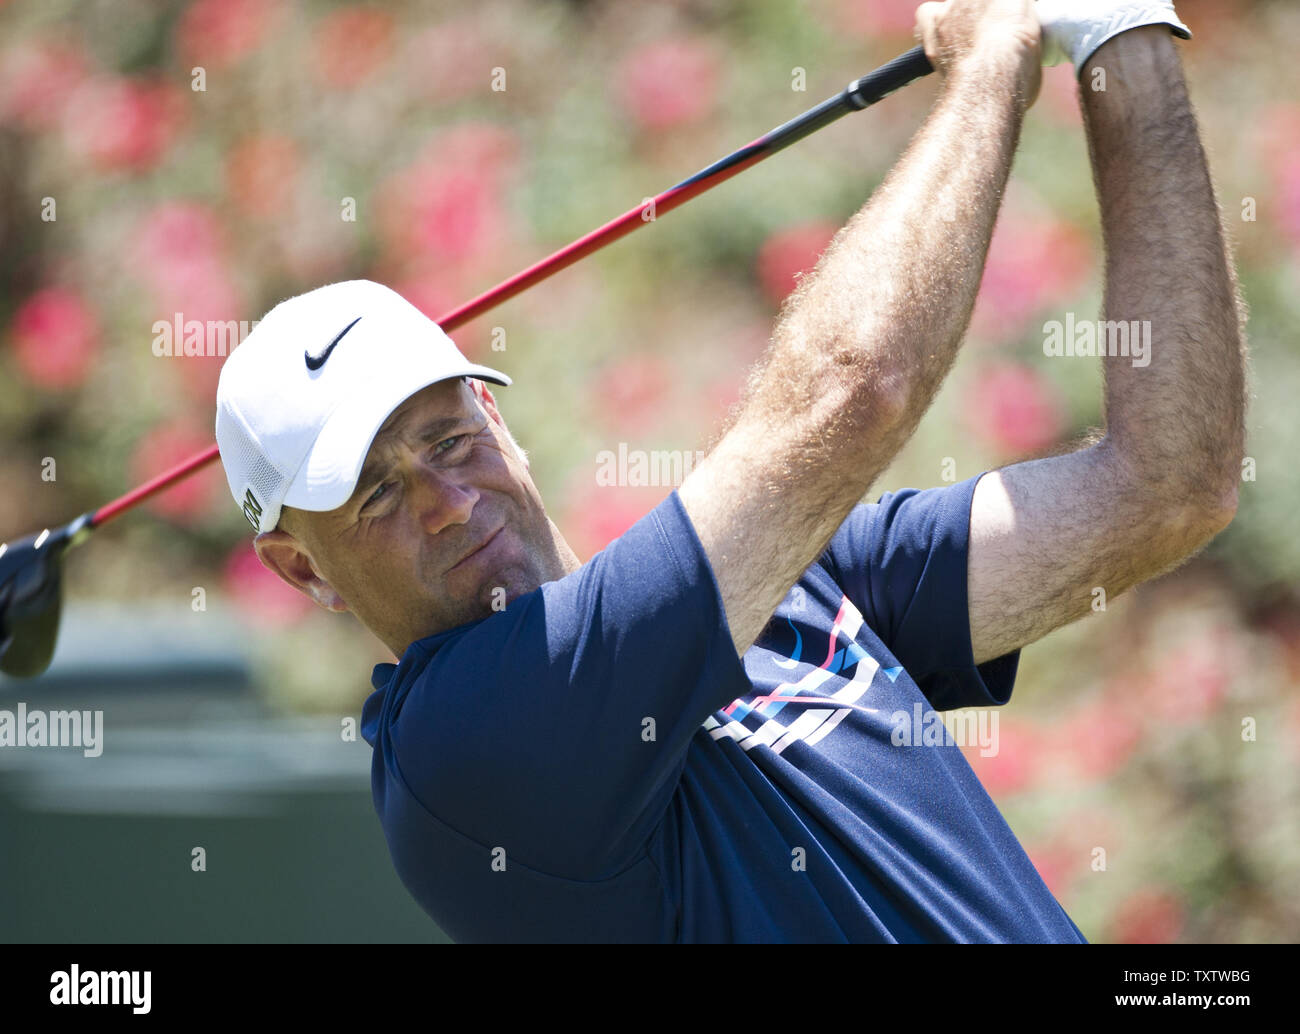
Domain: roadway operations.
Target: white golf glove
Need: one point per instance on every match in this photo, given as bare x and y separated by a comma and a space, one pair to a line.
1074, 29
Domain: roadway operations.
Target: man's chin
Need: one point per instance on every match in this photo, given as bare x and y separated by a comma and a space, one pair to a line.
495, 598
509, 585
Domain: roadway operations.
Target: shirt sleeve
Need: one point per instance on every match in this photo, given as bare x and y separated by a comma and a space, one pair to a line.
902, 561
558, 728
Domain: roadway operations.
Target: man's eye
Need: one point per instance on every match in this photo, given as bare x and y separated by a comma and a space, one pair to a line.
376, 494
455, 440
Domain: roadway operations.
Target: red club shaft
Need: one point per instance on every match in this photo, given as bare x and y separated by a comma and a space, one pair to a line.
856, 96
507, 289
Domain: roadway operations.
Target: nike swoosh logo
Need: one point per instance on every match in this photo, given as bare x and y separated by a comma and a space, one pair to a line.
315, 362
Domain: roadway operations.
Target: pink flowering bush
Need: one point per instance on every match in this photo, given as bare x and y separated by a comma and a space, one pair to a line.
1014, 409
259, 593
1146, 759
670, 83
789, 253
55, 338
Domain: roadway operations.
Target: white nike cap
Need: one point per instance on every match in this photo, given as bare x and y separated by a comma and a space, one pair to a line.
301, 399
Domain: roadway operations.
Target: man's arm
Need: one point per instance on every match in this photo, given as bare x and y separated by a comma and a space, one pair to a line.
863, 344
1163, 479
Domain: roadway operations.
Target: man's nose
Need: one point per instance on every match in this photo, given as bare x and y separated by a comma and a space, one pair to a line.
442, 498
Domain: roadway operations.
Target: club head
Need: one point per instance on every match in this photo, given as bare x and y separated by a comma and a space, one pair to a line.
31, 596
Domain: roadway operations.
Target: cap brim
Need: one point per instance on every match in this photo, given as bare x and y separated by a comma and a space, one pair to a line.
328, 476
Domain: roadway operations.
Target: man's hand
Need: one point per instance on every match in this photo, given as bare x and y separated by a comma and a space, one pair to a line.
961, 34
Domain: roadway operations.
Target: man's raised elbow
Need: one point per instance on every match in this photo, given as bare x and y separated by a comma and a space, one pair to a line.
867, 393
1226, 510
1213, 515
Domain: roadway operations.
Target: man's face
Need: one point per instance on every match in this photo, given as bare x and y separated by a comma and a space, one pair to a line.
444, 521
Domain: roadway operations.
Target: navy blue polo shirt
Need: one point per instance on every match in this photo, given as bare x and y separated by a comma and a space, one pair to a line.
595, 763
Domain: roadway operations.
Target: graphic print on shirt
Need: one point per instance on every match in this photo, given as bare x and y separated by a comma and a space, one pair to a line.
818, 722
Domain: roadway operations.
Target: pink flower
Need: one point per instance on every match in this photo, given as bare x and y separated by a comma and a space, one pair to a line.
1147, 916
1059, 99
261, 174
36, 80
428, 291
122, 124
1277, 136
260, 594
205, 298
179, 252
1192, 679
1097, 738
1014, 409
462, 217
1017, 761
178, 233
217, 33
208, 299
1058, 864
163, 448
1277, 141
629, 394
447, 206
789, 252
670, 83
597, 515
1288, 199
1067, 852
1034, 261
351, 43
55, 338
717, 399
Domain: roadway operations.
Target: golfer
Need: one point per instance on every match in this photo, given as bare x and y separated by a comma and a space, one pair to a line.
708, 732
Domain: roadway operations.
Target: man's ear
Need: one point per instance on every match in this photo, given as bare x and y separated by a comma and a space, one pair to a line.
282, 553
489, 404
485, 398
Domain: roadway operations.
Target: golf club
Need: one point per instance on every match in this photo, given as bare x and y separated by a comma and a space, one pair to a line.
31, 568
